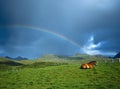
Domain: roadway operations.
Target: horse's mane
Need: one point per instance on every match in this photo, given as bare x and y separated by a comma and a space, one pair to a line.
92, 62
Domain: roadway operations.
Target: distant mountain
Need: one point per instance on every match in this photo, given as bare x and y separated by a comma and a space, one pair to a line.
117, 55
17, 58
8, 57
21, 58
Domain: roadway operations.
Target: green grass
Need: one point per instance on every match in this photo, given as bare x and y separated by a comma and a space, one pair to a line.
60, 74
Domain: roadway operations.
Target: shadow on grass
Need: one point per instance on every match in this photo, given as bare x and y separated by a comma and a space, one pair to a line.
11, 63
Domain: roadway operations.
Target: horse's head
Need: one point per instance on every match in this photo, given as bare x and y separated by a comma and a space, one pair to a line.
96, 63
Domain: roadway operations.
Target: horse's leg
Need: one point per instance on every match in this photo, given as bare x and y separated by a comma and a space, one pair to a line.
87, 66
90, 66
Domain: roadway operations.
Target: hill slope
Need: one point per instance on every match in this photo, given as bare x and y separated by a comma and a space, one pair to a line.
66, 74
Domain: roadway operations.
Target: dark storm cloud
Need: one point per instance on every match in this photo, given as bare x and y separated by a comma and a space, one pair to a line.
76, 19
32, 43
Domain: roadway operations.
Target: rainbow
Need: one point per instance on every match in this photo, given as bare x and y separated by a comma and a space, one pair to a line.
47, 31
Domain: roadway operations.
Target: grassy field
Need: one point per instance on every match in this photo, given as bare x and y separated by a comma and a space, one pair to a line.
52, 72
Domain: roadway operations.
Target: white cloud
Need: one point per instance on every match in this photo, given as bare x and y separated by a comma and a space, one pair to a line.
90, 48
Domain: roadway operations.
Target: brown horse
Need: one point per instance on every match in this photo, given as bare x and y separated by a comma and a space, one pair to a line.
89, 65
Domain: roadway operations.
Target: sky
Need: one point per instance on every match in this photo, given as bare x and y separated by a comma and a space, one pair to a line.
33, 28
